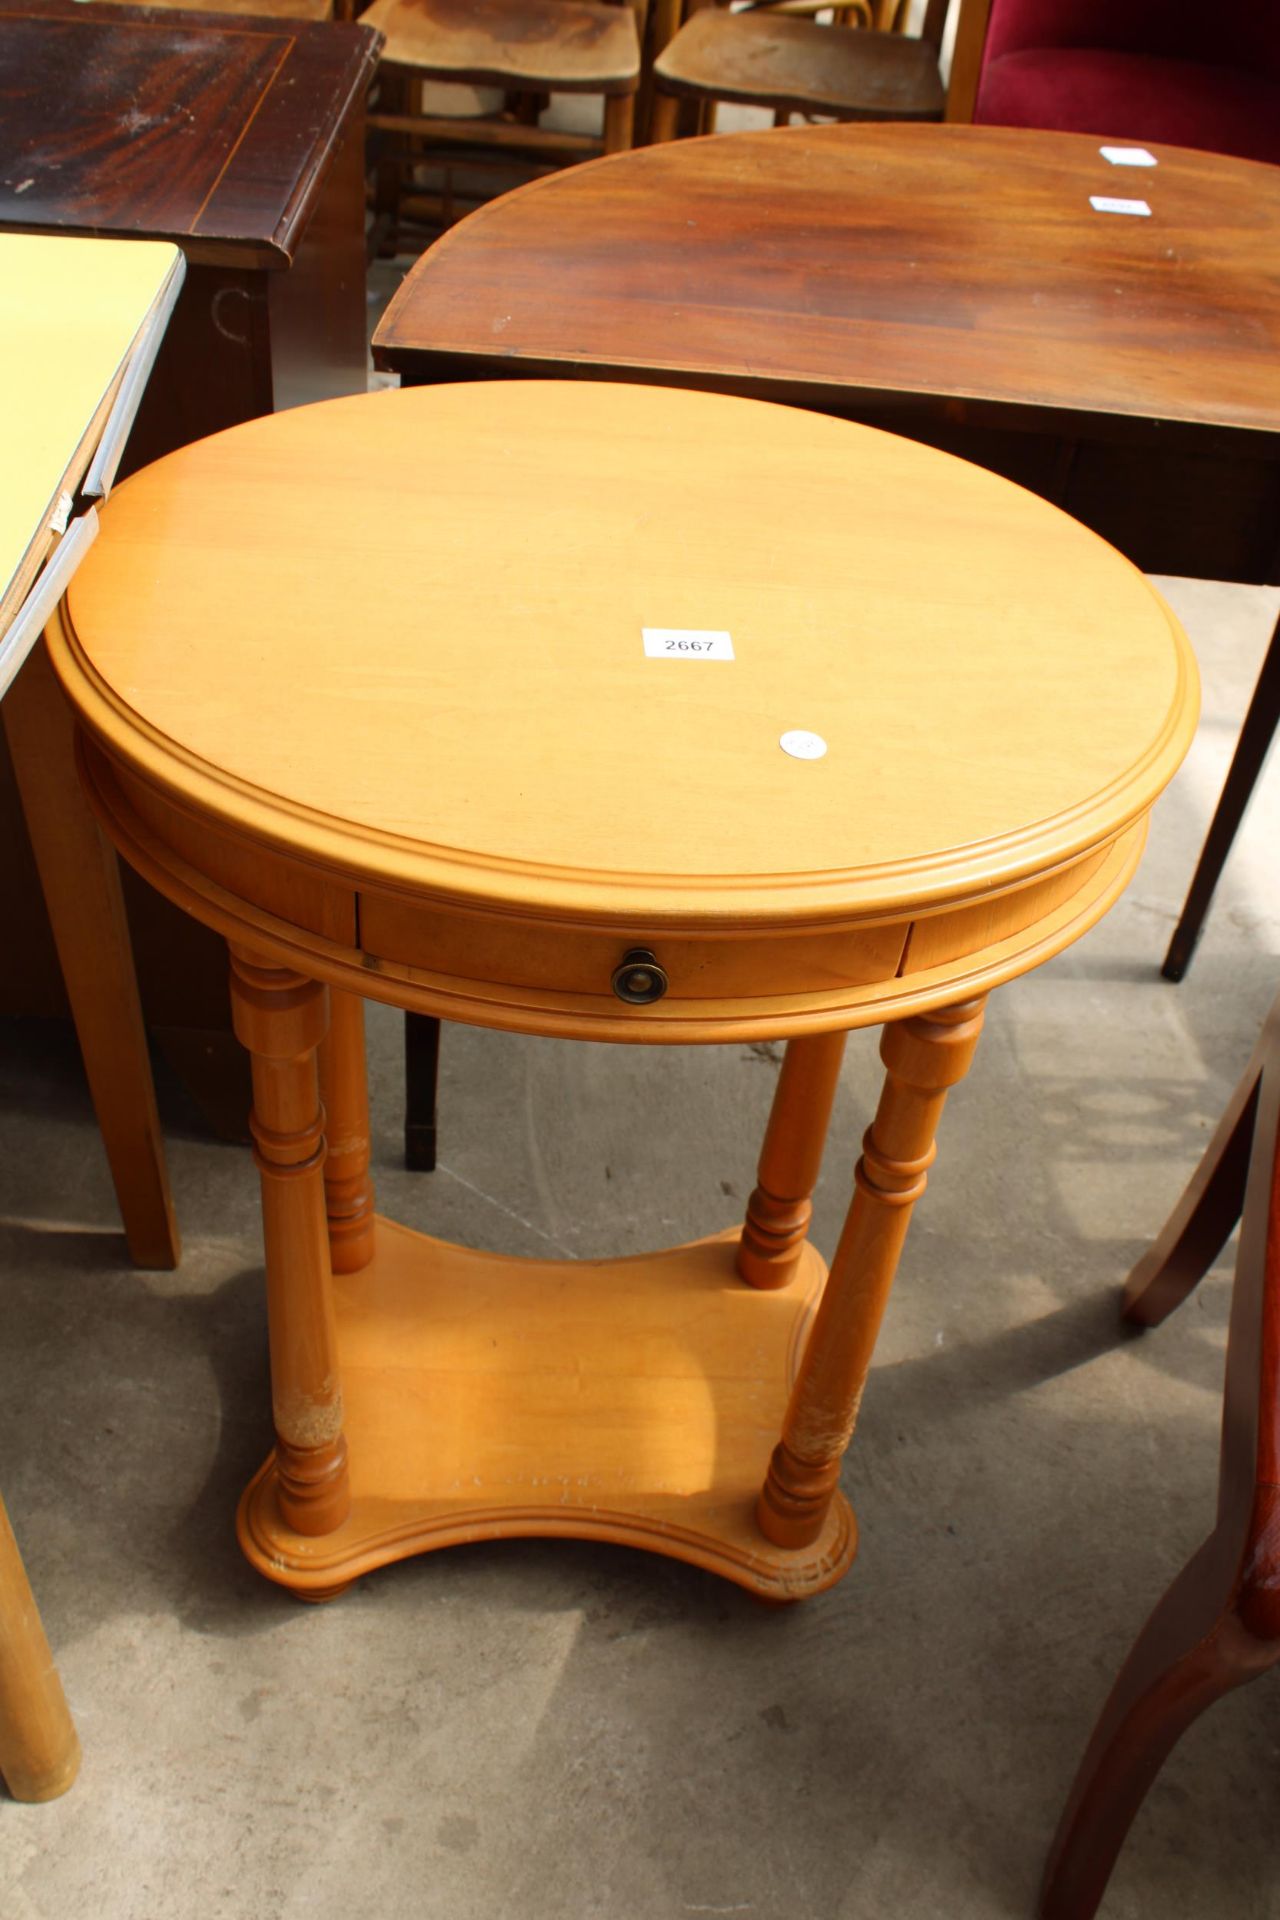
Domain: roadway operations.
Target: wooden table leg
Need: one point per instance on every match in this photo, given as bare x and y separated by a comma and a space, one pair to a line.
1203, 1221
344, 1090
421, 1090
81, 882
1218, 1625
281, 1016
923, 1057
1193, 1649
1256, 735
779, 1210
39, 1751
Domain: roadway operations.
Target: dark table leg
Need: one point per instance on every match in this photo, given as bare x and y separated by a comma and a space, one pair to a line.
1218, 1625
1255, 737
1205, 1217
421, 1077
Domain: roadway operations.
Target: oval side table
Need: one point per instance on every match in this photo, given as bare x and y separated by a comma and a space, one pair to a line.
618, 714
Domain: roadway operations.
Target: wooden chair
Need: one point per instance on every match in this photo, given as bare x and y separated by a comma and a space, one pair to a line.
1219, 1623
768, 57
529, 49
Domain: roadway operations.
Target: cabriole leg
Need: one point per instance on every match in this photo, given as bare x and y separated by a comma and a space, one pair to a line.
281, 1016
1195, 1648
923, 1057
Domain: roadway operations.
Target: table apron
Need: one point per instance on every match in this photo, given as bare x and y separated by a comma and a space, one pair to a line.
554, 976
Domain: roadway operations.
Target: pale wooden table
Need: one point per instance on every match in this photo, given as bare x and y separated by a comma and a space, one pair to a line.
80, 321
431, 759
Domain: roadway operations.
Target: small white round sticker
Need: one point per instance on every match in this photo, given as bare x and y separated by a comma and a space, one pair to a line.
802, 745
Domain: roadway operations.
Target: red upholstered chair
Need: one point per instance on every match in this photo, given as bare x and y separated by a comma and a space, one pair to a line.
1161, 70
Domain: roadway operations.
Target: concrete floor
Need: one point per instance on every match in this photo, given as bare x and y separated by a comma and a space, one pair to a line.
540, 1731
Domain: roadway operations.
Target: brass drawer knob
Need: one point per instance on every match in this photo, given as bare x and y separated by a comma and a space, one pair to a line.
638, 978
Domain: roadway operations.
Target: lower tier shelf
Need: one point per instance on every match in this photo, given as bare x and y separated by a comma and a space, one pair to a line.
635, 1401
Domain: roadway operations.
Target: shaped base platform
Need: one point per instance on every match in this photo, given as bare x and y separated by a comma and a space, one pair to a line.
636, 1401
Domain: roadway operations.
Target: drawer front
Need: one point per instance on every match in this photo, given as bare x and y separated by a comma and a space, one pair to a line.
572, 959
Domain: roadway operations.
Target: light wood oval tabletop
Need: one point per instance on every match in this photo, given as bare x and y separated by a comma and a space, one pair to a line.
451, 652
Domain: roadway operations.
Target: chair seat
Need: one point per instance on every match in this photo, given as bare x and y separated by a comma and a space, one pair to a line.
799, 66
1137, 96
565, 46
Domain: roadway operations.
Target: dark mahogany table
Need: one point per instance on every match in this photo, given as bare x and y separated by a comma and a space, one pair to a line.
951, 283
240, 138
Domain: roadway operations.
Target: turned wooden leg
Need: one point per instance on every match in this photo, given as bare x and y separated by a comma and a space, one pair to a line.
619, 122
923, 1057
1219, 1623
81, 883
280, 1016
344, 1091
39, 1751
779, 1210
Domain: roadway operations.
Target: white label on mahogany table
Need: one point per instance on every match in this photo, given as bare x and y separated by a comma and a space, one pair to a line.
1102, 203
1129, 156
802, 745
687, 643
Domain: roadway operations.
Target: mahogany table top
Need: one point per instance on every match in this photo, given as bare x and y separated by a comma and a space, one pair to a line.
210, 131
405, 634
812, 263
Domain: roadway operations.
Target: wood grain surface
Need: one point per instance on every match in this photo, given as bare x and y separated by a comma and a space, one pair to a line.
404, 631
571, 45
392, 652
630, 1400
785, 64
215, 132
821, 262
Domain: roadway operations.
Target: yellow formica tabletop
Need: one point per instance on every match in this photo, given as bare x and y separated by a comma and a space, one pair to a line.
80, 321
610, 713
